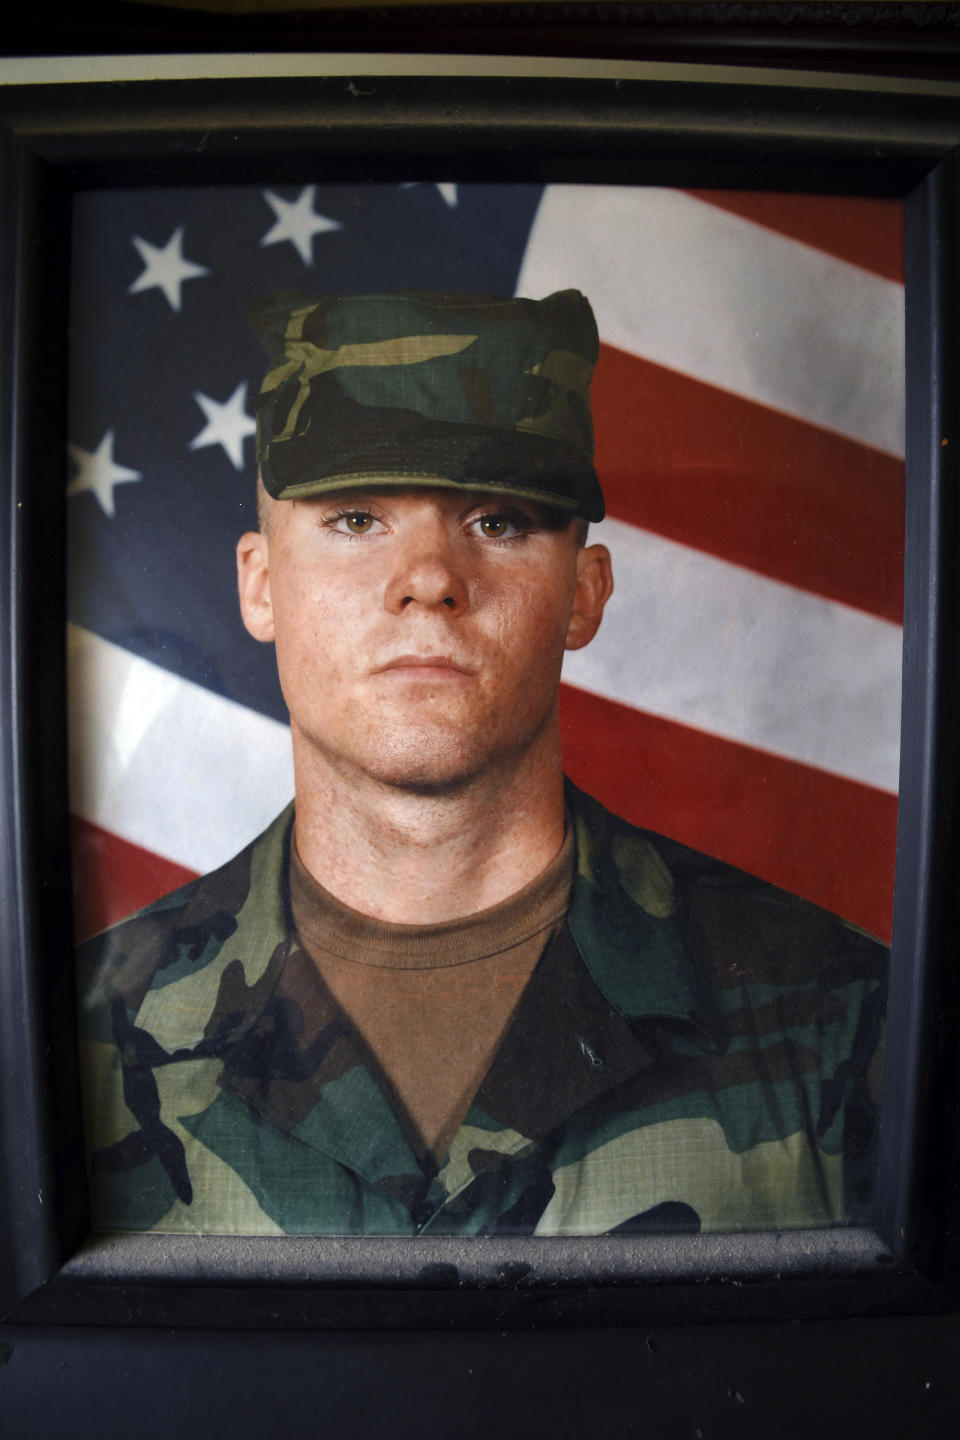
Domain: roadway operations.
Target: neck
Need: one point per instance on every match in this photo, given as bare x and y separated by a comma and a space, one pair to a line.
419, 859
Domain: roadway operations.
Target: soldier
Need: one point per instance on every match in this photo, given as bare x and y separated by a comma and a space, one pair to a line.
445, 992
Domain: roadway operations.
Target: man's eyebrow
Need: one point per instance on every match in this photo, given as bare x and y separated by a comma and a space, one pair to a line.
348, 499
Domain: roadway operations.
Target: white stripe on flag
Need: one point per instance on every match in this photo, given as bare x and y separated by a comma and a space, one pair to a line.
729, 302
168, 764
698, 640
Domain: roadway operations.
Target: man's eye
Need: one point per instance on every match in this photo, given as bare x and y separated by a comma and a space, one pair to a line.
497, 526
354, 522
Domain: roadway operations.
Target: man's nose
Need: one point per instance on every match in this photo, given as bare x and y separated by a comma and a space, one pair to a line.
427, 574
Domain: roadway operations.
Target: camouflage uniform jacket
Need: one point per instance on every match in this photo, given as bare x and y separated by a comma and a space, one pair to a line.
691, 1052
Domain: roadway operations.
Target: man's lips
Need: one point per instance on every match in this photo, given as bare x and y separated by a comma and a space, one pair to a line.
433, 666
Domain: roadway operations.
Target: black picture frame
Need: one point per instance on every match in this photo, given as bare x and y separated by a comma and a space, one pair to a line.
404, 119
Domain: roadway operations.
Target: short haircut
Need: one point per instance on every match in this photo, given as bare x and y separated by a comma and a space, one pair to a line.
265, 504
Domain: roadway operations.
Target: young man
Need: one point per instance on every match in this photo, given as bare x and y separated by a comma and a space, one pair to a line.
445, 992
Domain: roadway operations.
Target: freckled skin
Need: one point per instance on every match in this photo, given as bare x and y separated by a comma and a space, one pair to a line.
419, 638
422, 578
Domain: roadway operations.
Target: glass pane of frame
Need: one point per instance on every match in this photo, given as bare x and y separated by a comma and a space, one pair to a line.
741, 698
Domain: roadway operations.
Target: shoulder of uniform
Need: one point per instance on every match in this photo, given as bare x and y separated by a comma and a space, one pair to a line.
186, 926
738, 928
753, 932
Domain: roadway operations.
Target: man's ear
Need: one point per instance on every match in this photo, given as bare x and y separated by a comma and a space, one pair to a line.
253, 583
594, 588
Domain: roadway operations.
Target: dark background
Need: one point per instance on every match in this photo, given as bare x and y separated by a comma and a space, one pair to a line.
789, 1381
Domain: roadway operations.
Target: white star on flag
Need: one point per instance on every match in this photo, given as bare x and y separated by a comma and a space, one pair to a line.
297, 221
228, 424
447, 188
166, 268
99, 472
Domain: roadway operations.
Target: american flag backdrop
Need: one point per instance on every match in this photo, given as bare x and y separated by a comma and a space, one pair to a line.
743, 694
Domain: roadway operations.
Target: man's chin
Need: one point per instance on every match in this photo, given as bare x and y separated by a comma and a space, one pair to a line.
427, 760
426, 774
430, 760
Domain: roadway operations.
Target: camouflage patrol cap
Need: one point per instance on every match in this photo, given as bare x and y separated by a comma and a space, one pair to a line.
429, 389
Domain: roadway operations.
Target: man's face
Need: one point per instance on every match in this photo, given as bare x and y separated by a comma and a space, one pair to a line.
419, 633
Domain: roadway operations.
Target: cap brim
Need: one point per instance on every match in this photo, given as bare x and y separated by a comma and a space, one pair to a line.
330, 484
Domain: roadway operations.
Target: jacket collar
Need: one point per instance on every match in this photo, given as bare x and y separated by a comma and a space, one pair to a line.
623, 916
226, 940
625, 919
575, 1036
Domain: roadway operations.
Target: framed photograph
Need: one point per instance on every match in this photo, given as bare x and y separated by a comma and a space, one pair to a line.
761, 250
742, 694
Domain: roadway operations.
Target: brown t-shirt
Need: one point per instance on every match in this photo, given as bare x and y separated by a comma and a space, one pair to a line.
431, 1002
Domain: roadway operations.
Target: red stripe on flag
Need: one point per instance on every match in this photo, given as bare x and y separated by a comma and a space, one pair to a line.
820, 836
717, 472
112, 878
867, 232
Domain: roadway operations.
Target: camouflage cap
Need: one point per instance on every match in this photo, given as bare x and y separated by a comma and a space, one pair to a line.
429, 389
